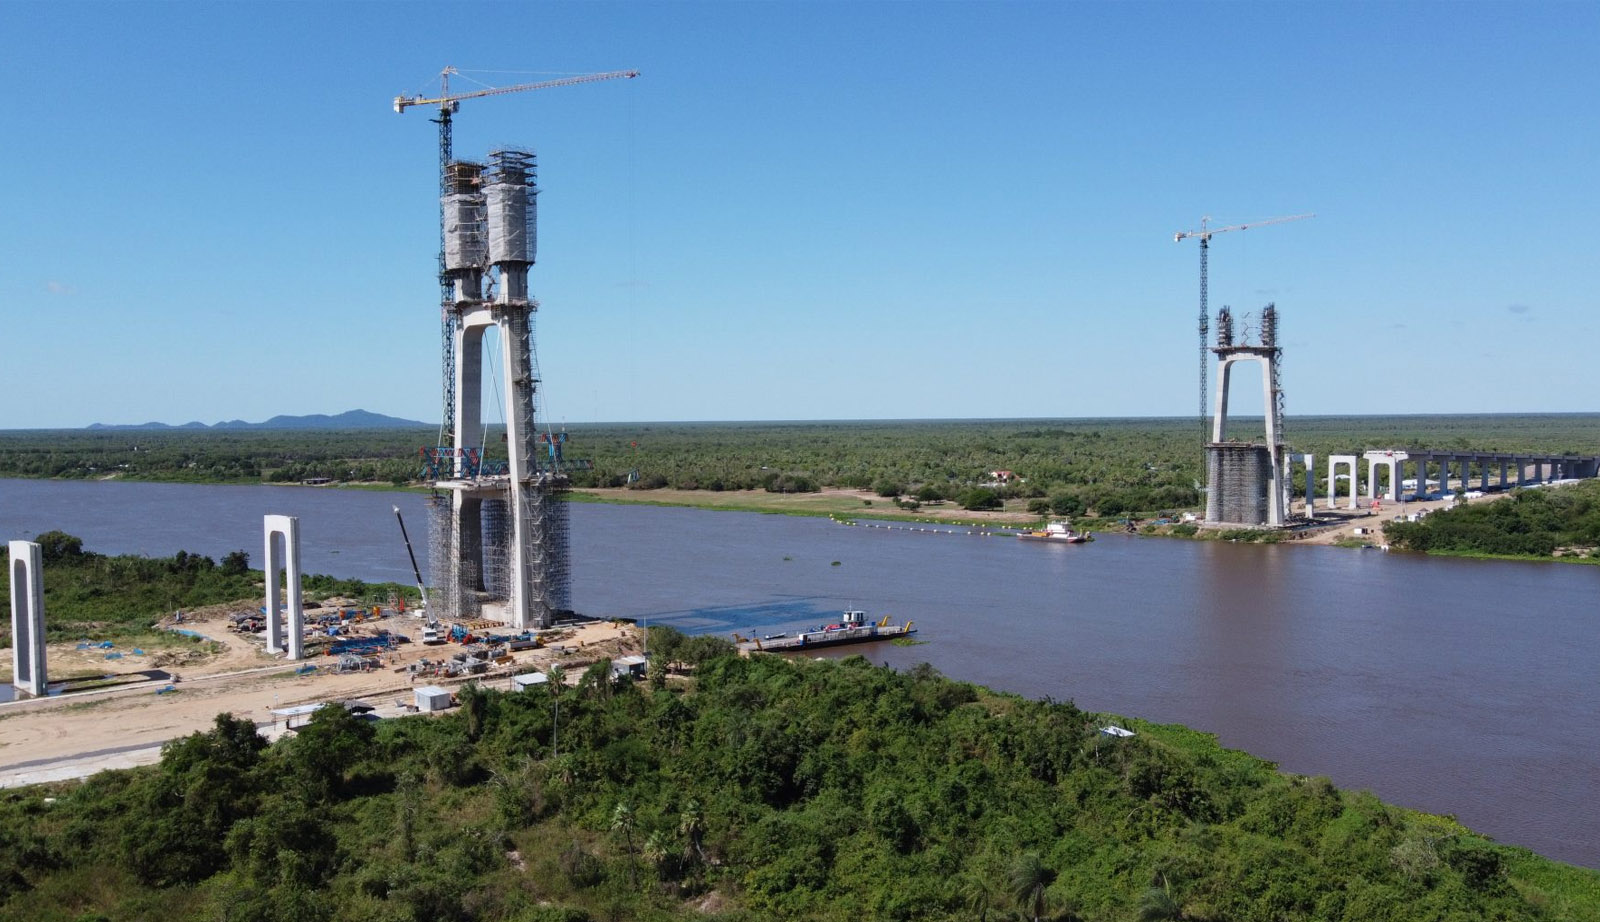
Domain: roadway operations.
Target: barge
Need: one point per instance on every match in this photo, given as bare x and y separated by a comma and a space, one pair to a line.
853, 627
1056, 531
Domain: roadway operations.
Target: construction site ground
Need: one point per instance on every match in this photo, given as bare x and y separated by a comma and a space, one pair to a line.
1335, 526
76, 734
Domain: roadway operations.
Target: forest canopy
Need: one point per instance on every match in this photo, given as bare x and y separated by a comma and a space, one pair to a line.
1108, 467
762, 789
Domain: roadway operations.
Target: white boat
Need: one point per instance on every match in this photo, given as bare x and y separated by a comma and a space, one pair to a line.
1055, 531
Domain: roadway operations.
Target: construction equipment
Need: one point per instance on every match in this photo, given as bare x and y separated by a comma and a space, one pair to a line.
1205, 233
448, 104
414, 570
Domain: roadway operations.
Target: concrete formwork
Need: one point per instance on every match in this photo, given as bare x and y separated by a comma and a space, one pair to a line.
28, 673
1247, 483
504, 534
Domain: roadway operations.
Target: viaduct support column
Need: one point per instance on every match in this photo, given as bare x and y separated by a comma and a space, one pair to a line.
288, 528
1311, 485
1394, 462
1334, 463
27, 618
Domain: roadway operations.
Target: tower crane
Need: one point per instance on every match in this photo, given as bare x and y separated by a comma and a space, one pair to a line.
1205, 233
449, 104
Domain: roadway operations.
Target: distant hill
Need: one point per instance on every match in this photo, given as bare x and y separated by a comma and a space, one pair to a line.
350, 419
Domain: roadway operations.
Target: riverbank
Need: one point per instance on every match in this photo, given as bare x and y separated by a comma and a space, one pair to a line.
829, 503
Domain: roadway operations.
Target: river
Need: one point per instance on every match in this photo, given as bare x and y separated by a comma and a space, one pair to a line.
1453, 686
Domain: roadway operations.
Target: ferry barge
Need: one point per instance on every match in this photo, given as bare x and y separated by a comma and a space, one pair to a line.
853, 627
1059, 532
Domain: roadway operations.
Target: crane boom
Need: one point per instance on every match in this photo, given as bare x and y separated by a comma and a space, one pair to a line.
445, 98
1205, 234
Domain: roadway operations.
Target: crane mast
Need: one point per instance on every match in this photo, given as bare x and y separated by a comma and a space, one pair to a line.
1205, 233
448, 104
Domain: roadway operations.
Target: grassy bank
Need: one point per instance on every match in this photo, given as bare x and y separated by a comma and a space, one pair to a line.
830, 503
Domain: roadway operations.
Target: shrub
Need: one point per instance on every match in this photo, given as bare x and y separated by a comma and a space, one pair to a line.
979, 498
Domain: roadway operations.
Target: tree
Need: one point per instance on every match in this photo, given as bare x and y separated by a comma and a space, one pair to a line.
692, 826
235, 563
979, 498
1157, 904
656, 852
1030, 878
977, 893
206, 784
622, 821
474, 703
56, 546
1066, 504
326, 747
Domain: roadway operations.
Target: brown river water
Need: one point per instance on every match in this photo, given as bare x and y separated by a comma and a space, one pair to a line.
1453, 686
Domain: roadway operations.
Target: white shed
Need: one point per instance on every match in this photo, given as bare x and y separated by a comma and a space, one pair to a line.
634, 666
432, 698
528, 680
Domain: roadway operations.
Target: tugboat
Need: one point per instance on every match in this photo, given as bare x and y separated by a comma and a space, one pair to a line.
1059, 532
852, 627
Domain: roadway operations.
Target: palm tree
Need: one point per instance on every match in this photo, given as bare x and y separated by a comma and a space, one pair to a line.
622, 821
1029, 881
655, 851
692, 826
1158, 905
977, 892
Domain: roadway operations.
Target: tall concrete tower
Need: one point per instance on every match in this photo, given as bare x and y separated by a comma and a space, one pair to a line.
1248, 481
499, 547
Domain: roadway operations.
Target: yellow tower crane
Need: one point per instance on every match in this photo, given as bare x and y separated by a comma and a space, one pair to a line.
1205, 233
448, 104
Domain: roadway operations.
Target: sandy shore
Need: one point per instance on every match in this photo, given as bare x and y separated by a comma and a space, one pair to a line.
1333, 525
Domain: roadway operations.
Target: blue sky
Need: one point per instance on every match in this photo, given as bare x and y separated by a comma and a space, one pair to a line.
804, 211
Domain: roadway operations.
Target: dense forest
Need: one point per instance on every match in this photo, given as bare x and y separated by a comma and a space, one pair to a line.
761, 788
1104, 466
1528, 523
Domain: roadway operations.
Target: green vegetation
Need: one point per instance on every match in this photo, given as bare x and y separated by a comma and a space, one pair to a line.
1105, 467
763, 789
1528, 523
101, 597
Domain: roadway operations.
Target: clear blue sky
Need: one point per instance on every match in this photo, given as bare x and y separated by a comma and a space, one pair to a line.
803, 211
